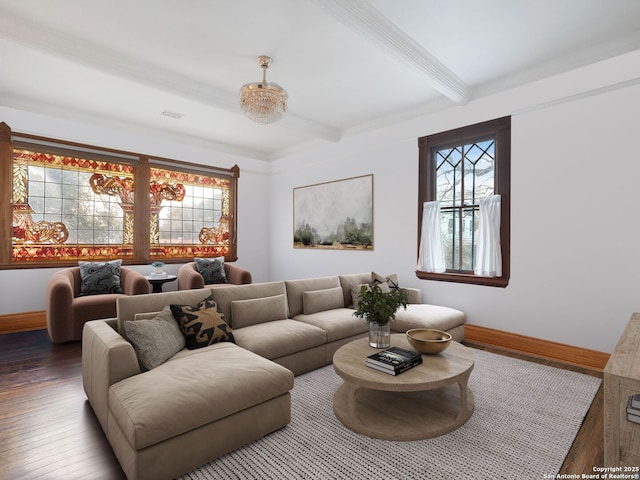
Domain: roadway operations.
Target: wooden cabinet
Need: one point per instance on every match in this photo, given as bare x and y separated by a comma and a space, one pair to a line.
621, 380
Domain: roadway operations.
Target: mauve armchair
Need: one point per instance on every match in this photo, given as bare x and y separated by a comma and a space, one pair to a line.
67, 311
189, 277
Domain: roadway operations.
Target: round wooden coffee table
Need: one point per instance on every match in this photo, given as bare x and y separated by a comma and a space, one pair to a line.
426, 401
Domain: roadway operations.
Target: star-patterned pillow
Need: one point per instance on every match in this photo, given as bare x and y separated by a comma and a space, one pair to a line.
202, 324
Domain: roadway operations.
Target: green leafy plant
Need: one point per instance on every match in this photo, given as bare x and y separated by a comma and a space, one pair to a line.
157, 264
379, 306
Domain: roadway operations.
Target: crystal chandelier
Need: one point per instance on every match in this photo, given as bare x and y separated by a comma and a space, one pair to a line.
263, 102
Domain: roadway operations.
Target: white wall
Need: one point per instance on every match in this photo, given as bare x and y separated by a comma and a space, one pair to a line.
575, 267
575, 264
23, 290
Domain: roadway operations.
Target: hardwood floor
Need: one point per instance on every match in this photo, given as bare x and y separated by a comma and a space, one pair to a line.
48, 430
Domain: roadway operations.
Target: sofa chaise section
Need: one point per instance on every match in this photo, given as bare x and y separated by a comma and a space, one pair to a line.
162, 423
197, 406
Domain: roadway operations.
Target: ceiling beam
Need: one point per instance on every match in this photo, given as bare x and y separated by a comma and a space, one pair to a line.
367, 21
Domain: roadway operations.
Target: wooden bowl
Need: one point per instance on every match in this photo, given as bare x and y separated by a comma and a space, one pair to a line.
428, 340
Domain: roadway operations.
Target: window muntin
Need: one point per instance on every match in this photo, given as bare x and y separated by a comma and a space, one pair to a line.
463, 174
462, 210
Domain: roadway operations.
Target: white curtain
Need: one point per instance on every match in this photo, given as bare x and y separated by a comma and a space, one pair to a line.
488, 251
431, 253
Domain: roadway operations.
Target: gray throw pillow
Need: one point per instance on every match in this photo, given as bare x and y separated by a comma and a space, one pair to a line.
155, 340
100, 277
211, 269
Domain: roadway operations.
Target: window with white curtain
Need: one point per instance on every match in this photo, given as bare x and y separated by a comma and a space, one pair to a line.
466, 174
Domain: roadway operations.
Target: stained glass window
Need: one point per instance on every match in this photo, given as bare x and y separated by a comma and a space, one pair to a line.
70, 208
71, 202
189, 214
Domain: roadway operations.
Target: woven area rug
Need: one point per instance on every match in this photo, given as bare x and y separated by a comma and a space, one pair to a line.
525, 419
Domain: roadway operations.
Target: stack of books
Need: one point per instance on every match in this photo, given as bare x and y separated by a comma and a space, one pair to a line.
633, 408
394, 360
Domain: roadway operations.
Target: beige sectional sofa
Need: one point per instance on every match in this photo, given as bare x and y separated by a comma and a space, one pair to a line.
203, 403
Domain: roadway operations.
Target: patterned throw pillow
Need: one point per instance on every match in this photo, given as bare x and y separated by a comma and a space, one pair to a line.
385, 283
202, 324
100, 277
211, 269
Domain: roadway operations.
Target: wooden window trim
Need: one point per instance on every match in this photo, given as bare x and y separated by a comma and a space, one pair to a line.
141, 254
501, 128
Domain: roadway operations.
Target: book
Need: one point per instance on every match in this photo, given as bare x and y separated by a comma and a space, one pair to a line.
394, 358
631, 410
397, 370
634, 401
633, 418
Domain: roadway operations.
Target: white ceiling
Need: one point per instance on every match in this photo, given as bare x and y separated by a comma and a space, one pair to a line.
348, 65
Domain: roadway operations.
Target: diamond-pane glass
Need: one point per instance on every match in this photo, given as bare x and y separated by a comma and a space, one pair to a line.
464, 174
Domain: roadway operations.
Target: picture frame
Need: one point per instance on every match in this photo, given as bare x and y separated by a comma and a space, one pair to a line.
336, 215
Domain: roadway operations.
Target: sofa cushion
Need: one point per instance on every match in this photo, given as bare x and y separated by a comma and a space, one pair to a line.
128, 306
155, 337
100, 277
320, 300
211, 269
338, 323
225, 294
188, 391
258, 310
279, 338
355, 294
427, 316
295, 289
348, 281
202, 324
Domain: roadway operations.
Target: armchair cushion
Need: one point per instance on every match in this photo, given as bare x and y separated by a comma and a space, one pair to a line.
211, 269
100, 277
202, 324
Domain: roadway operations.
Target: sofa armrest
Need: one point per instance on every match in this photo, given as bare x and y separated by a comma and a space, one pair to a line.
133, 282
237, 275
415, 295
107, 358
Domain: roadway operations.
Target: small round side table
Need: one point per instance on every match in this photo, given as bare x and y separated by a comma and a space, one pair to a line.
157, 281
